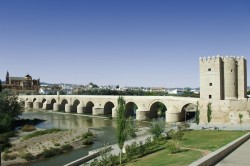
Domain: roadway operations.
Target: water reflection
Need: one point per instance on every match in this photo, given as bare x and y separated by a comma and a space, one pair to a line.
67, 121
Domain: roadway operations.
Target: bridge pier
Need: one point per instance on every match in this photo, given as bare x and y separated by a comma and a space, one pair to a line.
45, 106
28, 104
173, 117
37, 105
141, 115
68, 108
56, 107
114, 114
98, 111
81, 109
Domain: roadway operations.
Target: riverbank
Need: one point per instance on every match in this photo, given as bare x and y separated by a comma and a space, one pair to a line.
35, 146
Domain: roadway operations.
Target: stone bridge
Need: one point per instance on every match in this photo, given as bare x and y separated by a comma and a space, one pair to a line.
142, 107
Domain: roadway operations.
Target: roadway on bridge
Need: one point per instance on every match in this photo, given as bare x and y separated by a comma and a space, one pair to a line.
239, 157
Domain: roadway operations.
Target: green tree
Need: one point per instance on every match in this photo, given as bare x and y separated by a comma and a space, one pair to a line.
197, 113
1, 87
131, 127
209, 112
157, 127
121, 125
9, 104
5, 123
240, 117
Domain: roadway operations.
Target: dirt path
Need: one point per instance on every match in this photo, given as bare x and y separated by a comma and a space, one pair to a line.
203, 152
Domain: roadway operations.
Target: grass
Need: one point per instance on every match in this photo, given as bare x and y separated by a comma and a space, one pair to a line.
28, 128
39, 133
209, 140
204, 140
165, 158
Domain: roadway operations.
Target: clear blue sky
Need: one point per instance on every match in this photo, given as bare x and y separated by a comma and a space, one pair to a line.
129, 42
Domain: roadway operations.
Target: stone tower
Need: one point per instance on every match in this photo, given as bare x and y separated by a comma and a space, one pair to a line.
223, 78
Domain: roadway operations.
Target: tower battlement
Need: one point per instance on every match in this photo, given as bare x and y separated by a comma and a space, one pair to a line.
224, 58
210, 58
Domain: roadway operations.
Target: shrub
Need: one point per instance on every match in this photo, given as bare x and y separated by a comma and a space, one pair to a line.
88, 138
56, 144
50, 152
148, 143
7, 156
87, 141
111, 161
184, 127
131, 150
28, 156
176, 134
28, 128
157, 127
4, 139
114, 160
39, 133
66, 148
87, 134
141, 149
174, 146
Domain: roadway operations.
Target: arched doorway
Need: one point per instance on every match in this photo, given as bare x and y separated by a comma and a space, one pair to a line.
108, 108
63, 103
157, 110
188, 112
131, 108
75, 104
89, 107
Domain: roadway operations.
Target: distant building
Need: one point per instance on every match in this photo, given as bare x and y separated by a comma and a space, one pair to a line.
175, 91
157, 89
22, 85
49, 89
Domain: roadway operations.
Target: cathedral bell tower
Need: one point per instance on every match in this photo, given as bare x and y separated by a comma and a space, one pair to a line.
7, 78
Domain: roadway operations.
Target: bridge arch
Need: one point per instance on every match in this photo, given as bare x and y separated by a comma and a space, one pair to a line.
63, 103
52, 102
75, 104
157, 109
130, 108
43, 100
188, 112
89, 107
108, 106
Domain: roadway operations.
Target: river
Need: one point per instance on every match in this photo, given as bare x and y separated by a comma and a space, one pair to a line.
103, 126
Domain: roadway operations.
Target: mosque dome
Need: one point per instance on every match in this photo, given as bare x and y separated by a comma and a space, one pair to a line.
28, 77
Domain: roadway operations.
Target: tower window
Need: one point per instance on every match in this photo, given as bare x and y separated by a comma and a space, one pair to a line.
231, 70
210, 96
209, 69
210, 84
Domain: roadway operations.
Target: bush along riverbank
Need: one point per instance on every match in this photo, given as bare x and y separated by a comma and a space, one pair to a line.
45, 143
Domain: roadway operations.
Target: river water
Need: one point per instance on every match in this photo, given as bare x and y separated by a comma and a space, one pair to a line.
102, 126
